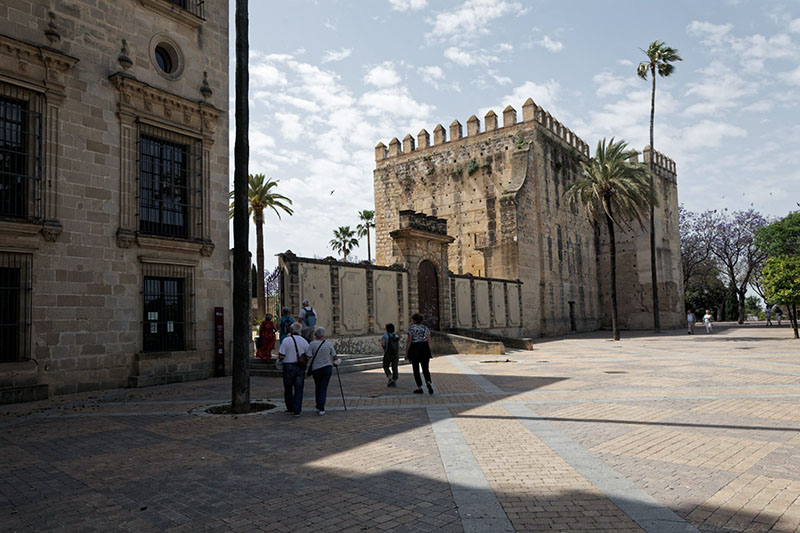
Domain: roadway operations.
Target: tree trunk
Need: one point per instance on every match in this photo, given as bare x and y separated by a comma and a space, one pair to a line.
653, 269
369, 251
741, 297
612, 255
793, 318
258, 215
240, 387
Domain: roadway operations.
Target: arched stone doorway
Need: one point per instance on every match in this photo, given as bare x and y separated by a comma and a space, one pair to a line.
428, 293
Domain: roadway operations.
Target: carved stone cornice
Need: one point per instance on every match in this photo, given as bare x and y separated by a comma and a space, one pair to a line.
173, 245
175, 12
142, 100
39, 66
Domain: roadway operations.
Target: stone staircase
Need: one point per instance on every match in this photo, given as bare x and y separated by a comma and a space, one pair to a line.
350, 363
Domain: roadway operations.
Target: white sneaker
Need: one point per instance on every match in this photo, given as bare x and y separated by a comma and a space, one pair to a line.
321, 413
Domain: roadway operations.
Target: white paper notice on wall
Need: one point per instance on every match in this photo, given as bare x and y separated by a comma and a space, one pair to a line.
170, 326
153, 327
152, 315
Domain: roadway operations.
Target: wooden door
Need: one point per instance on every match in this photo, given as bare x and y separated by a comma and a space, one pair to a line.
428, 294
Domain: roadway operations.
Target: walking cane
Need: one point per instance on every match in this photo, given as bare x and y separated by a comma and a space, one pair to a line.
340, 386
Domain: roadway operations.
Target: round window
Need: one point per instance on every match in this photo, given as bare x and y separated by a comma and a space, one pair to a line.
164, 60
166, 57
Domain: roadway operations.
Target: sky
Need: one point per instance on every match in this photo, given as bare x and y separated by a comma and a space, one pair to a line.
329, 79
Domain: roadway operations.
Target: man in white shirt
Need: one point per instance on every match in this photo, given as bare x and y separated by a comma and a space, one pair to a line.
293, 347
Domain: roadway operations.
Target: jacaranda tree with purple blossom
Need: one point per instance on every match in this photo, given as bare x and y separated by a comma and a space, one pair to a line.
732, 241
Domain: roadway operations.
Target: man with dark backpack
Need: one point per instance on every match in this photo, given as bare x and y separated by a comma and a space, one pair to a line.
391, 354
307, 315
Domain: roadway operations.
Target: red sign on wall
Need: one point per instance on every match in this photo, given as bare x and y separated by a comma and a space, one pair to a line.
219, 342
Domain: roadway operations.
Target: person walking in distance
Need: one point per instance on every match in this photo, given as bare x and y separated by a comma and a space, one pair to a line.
391, 354
285, 324
323, 357
293, 355
690, 320
707, 320
778, 312
418, 351
308, 318
768, 313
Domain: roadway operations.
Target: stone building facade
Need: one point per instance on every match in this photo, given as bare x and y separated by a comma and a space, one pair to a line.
501, 192
113, 192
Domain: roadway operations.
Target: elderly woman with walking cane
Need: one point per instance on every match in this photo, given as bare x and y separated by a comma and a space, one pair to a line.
323, 357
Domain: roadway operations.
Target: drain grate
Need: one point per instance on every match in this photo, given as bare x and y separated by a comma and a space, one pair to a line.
499, 361
614, 372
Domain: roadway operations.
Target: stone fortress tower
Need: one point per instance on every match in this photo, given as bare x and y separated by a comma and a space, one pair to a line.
501, 192
113, 193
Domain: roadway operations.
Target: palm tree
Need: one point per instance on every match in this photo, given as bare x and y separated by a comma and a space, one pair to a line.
367, 221
614, 190
240, 382
259, 197
343, 241
659, 59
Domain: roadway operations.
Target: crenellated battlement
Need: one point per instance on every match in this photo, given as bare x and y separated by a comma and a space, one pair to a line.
661, 161
530, 113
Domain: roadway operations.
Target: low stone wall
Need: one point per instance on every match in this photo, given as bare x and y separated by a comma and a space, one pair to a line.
441, 344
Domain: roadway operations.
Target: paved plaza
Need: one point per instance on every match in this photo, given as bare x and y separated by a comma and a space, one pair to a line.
666, 433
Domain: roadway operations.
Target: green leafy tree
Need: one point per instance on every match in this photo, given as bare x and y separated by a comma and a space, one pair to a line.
659, 61
367, 219
781, 280
781, 237
344, 240
261, 196
613, 190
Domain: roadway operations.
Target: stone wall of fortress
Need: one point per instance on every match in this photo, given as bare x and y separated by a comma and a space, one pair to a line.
93, 67
501, 191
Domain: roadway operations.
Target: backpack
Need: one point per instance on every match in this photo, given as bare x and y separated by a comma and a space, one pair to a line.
392, 344
310, 318
286, 323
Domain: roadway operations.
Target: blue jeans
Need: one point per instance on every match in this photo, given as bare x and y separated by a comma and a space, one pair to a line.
322, 376
293, 377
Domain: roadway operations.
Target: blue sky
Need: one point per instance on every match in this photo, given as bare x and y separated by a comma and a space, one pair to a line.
331, 78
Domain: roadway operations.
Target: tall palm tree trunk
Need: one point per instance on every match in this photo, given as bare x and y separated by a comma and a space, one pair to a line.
612, 256
653, 269
258, 216
369, 250
240, 389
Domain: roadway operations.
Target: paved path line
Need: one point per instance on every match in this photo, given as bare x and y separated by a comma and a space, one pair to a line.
484, 384
636, 503
477, 504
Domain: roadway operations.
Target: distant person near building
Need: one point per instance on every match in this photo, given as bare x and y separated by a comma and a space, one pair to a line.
778, 312
266, 333
768, 313
285, 324
690, 320
418, 351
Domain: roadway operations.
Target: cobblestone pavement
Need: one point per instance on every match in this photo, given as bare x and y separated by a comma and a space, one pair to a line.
666, 433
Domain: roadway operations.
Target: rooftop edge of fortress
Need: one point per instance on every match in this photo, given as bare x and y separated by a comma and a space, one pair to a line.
530, 112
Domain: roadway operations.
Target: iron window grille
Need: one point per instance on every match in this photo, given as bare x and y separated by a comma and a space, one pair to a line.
170, 184
15, 307
195, 7
21, 112
168, 308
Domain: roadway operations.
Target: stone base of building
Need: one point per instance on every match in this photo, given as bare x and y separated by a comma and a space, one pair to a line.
163, 368
30, 393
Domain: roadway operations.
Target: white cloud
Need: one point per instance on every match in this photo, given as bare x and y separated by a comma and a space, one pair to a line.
394, 101
719, 87
336, 55
794, 26
610, 85
792, 77
710, 133
383, 75
760, 106
504, 48
625, 62
545, 95
500, 79
434, 76
752, 50
408, 5
471, 18
550, 45
291, 127
467, 58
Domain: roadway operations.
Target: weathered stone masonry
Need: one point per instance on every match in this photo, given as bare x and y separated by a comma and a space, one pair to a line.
501, 193
95, 65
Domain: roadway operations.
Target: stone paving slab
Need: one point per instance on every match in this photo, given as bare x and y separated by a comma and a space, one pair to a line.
654, 433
